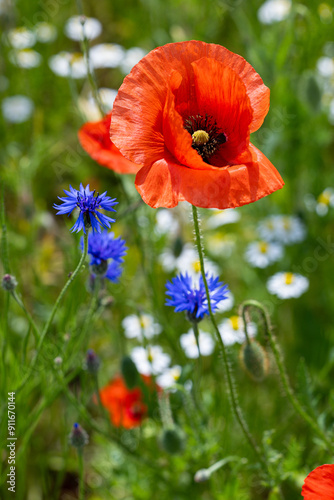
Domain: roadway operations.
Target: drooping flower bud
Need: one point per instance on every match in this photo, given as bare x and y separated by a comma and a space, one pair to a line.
254, 360
202, 475
92, 363
9, 283
78, 437
129, 372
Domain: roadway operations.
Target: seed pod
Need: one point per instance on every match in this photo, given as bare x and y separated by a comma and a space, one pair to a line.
172, 440
254, 360
129, 372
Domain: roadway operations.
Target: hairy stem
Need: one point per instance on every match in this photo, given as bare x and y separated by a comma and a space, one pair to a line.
229, 377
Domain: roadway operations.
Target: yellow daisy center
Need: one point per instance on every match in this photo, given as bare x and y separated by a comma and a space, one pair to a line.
235, 322
324, 198
196, 266
263, 246
288, 278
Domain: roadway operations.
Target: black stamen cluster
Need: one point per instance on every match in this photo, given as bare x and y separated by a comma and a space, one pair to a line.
216, 136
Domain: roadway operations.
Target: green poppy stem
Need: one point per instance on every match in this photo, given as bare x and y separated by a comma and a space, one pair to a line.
229, 377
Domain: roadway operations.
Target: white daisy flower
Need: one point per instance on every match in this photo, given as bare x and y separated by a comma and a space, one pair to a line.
17, 109
45, 32
325, 67
77, 27
226, 304
169, 377
135, 327
21, 38
131, 58
89, 107
331, 112
287, 285
222, 217
232, 330
166, 222
26, 58
286, 229
189, 344
150, 361
106, 55
186, 262
220, 245
273, 11
261, 253
66, 64
324, 201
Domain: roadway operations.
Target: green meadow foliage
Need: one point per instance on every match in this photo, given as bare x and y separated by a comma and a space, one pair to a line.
246, 421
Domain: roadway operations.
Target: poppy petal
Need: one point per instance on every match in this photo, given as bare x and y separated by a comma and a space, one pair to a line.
166, 183
228, 103
137, 111
319, 484
95, 140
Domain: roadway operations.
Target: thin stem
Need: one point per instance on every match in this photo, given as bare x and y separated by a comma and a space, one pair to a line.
27, 314
81, 475
53, 312
283, 375
4, 243
232, 391
90, 71
91, 310
4, 343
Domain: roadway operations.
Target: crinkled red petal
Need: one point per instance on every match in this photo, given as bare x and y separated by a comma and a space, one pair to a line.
167, 182
319, 484
95, 140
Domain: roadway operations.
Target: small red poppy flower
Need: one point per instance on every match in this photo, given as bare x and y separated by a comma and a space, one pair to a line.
185, 113
125, 406
95, 140
319, 484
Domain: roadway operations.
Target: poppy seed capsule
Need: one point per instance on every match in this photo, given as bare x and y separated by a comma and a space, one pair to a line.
200, 137
172, 440
254, 360
129, 372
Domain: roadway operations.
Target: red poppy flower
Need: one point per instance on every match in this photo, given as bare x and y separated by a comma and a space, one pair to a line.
319, 484
94, 138
185, 113
126, 406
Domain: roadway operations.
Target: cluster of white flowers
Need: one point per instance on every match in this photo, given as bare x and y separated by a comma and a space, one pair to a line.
21, 40
102, 55
322, 203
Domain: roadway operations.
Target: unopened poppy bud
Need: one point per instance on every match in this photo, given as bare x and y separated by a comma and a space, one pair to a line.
254, 360
9, 283
172, 440
78, 437
92, 362
129, 372
177, 247
202, 475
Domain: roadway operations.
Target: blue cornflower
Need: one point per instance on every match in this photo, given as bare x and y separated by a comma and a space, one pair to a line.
184, 296
88, 204
104, 246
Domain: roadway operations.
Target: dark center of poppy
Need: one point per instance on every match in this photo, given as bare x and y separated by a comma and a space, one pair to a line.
205, 134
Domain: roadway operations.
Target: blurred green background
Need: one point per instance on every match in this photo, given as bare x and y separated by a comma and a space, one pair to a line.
41, 156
